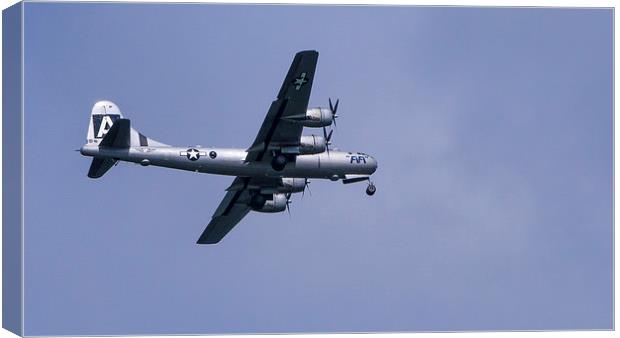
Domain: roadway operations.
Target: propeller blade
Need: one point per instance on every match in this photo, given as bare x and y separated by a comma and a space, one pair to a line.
334, 109
326, 139
306, 186
288, 201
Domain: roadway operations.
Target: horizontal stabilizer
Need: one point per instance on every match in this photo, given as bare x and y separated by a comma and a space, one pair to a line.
118, 135
100, 166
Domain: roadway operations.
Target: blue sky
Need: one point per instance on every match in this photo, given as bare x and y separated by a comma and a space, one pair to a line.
492, 128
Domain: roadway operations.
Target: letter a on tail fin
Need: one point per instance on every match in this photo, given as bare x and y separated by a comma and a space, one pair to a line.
102, 117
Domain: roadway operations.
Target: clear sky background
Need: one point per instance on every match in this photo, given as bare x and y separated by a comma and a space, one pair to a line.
492, 128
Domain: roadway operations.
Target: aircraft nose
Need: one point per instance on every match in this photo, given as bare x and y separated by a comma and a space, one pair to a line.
373, 163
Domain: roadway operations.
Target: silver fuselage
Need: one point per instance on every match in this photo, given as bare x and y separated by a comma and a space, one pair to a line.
227, 161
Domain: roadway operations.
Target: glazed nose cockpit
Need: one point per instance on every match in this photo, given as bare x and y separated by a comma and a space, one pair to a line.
368, 162
373, 163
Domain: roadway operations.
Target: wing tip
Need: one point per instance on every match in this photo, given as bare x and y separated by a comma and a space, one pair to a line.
207, 241
207, 237
309, 51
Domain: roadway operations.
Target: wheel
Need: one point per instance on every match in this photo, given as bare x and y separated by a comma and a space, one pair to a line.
371, 190
279, 162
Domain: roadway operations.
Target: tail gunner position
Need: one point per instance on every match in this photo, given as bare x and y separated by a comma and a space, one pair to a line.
277, 164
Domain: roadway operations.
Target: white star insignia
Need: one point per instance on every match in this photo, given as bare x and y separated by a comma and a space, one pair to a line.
192, 154
300, 81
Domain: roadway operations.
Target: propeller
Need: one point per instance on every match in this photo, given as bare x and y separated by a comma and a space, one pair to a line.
307, 185
334, 109
288, 202
328, 138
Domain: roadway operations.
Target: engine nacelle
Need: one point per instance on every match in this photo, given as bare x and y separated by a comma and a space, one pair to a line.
318, 117
266, 203
314, 118
288, 185
312, 144
292, 185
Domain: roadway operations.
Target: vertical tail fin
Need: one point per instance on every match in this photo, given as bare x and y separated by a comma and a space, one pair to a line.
102, 117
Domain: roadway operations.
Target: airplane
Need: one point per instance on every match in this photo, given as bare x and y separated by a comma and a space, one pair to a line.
278, 163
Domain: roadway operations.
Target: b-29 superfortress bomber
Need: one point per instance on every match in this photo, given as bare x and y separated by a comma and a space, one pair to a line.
278, 163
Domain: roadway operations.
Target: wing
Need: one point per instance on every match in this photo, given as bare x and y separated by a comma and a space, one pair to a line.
233, 207
231, 210
292, 100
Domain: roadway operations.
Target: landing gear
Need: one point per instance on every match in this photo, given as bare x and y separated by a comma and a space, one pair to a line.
278, 162
371, 189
